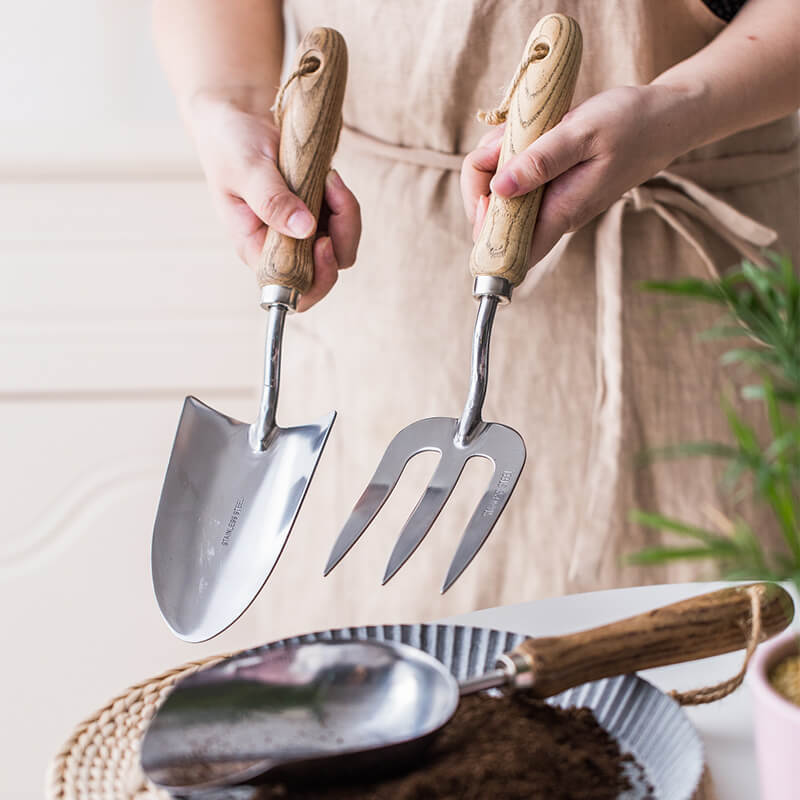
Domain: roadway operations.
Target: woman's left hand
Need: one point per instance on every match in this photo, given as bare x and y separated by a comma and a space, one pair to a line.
603, 147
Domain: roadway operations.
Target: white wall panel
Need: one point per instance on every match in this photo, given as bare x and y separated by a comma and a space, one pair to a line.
119, 294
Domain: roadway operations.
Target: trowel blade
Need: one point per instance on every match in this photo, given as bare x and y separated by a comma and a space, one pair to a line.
225, 515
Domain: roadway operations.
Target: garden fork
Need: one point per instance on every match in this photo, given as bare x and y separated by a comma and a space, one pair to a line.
538, 97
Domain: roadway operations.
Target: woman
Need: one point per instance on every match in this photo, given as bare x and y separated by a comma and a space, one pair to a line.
681, 148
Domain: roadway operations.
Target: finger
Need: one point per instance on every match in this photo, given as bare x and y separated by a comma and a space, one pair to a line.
275, 205
493, 135
480, 216
326, 272
476, 173
246, 229
568, 203
553, 153
344, 222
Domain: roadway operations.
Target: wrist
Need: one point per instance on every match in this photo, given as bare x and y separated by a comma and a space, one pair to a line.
246, 99
684, 109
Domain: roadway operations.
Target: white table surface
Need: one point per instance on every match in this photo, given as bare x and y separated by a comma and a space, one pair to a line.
725, 726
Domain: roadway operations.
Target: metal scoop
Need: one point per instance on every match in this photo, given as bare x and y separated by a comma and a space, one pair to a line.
499, 262
332, 708
233, 489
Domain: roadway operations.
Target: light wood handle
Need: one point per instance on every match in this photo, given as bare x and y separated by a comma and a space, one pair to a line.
699, 627
542, 98
311, 121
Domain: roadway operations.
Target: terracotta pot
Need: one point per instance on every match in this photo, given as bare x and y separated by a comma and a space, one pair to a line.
777, 722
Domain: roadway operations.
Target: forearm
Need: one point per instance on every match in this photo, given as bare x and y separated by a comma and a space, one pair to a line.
747, 76
231, 49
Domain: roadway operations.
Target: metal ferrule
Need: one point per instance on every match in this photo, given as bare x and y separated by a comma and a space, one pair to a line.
519, 669
470, 421
279, 296
496, 679
265, 423
490, 285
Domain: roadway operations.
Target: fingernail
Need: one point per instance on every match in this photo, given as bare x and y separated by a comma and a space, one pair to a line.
504, 184
301, 224
334, 180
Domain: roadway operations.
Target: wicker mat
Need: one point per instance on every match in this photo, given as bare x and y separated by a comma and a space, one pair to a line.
100, 760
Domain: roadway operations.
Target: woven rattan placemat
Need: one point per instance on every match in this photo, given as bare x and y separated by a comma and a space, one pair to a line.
100, 760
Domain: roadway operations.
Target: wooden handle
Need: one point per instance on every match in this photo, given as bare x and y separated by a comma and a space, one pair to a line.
311, 121
699, 627
541, 99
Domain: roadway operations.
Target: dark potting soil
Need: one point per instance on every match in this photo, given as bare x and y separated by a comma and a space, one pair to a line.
506, 748
785, 678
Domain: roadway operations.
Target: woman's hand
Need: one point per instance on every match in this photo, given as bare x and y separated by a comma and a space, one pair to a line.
239, 149
603, 147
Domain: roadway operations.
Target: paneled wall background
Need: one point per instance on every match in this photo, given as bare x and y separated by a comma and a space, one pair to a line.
119, 295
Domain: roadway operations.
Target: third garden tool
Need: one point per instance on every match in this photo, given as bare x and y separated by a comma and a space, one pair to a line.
233, 489
541, 94
341, 702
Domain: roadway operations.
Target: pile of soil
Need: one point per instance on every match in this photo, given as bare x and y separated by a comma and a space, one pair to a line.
507, 748
785, 678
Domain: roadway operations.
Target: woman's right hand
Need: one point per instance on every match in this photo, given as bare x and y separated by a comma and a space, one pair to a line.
239, 149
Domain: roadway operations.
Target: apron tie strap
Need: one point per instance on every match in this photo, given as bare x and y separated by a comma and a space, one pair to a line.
687, 209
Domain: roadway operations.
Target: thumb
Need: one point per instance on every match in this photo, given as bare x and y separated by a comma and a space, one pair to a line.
551, 154
273, 202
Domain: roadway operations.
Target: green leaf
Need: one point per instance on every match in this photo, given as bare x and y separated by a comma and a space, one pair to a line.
743, 355
752, 574
693, 288
744, 433
663, 555
691, 450
661, 522
723, 331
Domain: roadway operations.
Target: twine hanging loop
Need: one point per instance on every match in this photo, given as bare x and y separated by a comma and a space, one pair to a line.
709, 694
497, 116
308, 64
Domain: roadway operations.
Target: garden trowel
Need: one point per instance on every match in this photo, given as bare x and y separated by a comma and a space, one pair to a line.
233, 489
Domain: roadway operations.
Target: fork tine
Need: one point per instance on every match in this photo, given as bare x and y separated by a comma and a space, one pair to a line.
389, 470
424, 435
483, 519
425, 512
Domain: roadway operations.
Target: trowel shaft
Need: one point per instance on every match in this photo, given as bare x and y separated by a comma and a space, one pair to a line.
265, 422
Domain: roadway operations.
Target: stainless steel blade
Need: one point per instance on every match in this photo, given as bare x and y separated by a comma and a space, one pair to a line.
226, 511
497, 443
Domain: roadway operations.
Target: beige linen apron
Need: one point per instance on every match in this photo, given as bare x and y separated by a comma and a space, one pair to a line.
586, 366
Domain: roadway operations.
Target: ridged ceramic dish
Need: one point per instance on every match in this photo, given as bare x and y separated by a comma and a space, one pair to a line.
645, 721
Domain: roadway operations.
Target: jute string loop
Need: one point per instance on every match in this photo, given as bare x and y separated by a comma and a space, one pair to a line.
308, 64
498, 115
709, 694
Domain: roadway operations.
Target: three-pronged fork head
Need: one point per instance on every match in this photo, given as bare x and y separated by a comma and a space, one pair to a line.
502, 445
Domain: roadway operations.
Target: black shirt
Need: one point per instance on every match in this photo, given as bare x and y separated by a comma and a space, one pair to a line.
725, 9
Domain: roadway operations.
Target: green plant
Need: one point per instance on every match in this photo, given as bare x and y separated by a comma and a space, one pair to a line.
762, 309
